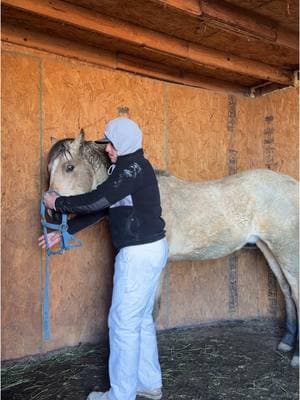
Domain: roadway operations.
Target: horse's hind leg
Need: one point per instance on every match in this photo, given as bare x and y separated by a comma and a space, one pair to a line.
295, 359
291, 325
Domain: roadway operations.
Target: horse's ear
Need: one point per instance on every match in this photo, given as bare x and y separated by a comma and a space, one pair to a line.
82, 134
78, 141
53, 140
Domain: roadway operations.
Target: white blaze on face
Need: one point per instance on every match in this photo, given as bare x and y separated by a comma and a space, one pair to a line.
52, 171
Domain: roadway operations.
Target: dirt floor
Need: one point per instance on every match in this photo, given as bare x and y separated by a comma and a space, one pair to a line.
231, 361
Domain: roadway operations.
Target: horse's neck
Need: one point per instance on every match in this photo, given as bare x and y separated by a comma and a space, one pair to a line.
100, 176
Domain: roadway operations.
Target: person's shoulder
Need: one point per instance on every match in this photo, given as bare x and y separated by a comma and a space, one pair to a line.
146, 163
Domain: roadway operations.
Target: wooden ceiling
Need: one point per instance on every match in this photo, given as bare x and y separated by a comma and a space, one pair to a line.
246, 47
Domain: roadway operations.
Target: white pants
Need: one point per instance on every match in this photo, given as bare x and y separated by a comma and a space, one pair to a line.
133, 360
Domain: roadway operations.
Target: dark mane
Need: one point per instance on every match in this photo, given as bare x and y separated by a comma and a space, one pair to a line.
94, 153
89, 150
59, 148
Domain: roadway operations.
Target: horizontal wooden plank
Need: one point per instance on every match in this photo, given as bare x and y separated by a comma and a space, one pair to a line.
191, 7
61, 47
155, 70
235, 19
67, 48
142, 37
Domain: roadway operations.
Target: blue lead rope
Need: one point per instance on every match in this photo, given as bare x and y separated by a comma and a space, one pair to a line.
65, 244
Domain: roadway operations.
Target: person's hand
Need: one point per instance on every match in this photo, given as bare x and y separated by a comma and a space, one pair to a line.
49, 199
52, 237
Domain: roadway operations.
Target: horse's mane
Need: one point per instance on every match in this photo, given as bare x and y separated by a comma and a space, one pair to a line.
92, 152
88, 150
60, 148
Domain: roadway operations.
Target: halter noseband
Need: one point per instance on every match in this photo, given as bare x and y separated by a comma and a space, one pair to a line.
62, 228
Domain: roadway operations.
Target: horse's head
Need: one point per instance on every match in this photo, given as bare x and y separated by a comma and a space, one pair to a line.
76, 166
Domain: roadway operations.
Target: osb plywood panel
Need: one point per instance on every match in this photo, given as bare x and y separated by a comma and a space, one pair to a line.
72, 95
198, 291
252, 277
196, 133
280, 131
21, 286
266, 134
80, 290
77, 95
258, 294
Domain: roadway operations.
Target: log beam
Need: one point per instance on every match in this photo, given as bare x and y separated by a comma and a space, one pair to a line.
235, 19
140, 37
66, 48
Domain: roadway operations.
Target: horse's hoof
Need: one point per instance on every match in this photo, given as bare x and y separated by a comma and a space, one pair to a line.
284, 347
295, 362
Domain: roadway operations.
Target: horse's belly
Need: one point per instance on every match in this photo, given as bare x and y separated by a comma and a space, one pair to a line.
189, 246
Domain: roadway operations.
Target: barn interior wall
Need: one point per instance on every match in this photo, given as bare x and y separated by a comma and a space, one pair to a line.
192, 133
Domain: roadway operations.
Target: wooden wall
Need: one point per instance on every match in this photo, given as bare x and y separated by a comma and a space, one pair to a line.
194, 134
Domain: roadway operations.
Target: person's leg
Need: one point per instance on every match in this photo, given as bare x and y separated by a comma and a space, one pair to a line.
137, 271
149, 372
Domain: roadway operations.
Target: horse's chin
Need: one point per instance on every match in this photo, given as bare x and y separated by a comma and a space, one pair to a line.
55, 216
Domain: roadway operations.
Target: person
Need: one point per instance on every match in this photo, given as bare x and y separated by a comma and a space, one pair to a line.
131, 197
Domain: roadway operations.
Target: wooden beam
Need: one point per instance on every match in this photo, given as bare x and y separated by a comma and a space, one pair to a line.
151, 69
166, 45
236, 20
247, 23
67, 48
190, 7
58, 46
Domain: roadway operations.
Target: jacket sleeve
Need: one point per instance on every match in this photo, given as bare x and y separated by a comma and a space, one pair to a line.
80, 222
119, 185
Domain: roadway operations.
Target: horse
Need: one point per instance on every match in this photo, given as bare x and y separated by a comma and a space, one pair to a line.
208, 220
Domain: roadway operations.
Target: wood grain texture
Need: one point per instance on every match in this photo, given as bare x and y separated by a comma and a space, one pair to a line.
187, 131
21, 259
198, 292
267, 132
156, 15
118, 31
197, 137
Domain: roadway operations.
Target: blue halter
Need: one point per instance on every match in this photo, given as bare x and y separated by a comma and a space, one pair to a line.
62, 228
65, 244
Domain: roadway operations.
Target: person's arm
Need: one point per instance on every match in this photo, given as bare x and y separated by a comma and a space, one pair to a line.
80, 222
119, 185
75, 225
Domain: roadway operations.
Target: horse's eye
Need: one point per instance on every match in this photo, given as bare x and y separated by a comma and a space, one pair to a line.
69, 168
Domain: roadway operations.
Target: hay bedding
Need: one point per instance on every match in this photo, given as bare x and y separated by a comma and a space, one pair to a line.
231, 361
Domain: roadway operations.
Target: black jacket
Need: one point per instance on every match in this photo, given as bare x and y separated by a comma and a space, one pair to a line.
131, 198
